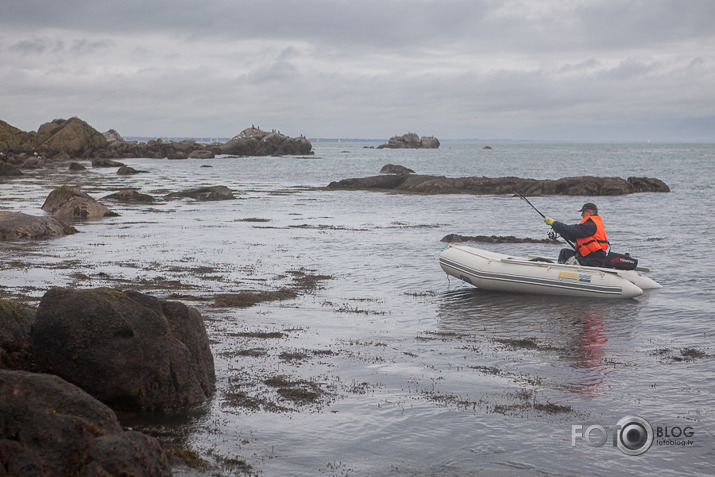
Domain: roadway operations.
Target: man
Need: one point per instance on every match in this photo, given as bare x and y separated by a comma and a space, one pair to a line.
589, 236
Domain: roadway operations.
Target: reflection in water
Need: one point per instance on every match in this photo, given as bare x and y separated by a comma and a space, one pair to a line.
572, 343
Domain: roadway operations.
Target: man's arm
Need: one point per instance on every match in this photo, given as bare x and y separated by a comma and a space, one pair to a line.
575, 232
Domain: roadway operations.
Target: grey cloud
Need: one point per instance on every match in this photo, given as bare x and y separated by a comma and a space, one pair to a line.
37, 46
533, 69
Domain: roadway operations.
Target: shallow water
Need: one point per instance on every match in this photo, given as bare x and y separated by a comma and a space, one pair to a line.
414, 373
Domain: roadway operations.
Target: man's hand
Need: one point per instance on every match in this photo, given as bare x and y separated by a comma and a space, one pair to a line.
548, 220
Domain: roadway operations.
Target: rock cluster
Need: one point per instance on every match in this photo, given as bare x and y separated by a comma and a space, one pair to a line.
74, 138
586, 185
411, 141
65, 366
254, 142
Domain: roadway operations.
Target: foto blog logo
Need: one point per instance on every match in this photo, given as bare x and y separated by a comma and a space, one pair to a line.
632, 435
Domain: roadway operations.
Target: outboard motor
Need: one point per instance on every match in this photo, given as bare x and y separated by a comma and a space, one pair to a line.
620, 261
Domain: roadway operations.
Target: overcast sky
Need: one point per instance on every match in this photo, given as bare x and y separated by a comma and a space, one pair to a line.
588, 70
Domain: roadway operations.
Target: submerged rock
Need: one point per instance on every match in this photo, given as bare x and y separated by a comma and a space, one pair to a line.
586, 185
452, 238
72, 204
7, 169
129, 350
395, 169
19, 226
204, 194
51, 427
104, 162
128, 171
201, 154
130, 195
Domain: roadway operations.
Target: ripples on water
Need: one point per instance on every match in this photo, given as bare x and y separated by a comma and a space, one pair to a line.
424, 374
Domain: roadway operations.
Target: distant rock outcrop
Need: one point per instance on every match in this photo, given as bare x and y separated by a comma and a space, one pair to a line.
72, 204
74, 138
129, 350
586, 185
61, 138
411, 141
255, 142
19, 226
15, 140
71, 136
51, 427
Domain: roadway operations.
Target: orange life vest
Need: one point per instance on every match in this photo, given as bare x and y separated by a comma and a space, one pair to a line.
596, 242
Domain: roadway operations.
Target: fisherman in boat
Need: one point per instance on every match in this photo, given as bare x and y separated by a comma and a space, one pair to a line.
589, 235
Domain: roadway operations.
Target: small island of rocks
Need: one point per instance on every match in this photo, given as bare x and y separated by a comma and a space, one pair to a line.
411, 141
427, 184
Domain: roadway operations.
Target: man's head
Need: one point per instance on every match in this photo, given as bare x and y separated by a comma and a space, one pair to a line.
589, 209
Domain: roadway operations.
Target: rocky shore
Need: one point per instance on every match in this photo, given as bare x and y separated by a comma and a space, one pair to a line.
405, 182
63, 139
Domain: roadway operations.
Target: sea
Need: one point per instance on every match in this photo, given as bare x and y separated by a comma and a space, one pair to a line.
384, 365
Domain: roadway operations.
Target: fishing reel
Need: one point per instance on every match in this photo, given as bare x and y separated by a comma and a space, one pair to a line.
553, 236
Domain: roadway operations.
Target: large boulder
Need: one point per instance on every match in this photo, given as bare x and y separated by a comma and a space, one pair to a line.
129, 350
71, 136
51, 427
411, 141
15, 344
72, 204
19, 226
255, 142
14, 140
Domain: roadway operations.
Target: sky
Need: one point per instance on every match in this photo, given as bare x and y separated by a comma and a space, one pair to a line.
561, 70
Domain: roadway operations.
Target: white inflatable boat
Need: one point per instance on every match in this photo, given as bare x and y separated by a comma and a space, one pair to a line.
498, 272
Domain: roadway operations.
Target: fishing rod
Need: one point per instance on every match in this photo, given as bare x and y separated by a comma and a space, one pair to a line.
542, 215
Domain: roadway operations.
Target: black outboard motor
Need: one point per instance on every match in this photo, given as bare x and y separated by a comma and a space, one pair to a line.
620, 261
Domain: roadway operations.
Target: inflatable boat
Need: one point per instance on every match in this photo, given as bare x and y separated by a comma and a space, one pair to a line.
498, 272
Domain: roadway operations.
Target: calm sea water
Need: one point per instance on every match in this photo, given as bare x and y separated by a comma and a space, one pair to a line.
419, 374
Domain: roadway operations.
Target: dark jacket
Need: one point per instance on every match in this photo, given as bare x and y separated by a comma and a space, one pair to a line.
576, 231
579, 231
